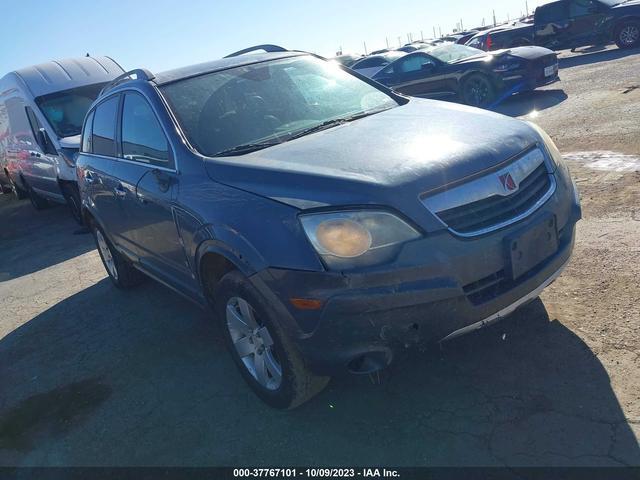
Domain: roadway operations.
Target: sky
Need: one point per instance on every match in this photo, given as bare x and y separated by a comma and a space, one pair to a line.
163, 34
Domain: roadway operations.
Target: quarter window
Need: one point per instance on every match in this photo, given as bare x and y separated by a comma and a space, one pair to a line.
86, 133
103, 136
143, 139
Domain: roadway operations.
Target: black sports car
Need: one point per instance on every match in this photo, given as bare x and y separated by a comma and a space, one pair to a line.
475, 77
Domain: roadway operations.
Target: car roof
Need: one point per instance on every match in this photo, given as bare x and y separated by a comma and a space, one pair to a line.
59, 75
222, 64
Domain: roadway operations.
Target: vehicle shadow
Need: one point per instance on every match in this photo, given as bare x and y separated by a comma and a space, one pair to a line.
597, 55
19, 222
107, 377
527, 102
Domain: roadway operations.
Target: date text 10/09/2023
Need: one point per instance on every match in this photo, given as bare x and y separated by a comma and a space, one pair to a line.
315, 473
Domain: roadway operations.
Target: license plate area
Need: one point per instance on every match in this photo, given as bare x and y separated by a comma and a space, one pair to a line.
550, 70
527, 249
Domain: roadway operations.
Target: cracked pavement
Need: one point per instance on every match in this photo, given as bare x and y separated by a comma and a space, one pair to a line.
90, 375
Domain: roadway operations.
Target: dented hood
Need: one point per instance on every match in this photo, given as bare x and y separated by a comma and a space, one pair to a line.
389, 158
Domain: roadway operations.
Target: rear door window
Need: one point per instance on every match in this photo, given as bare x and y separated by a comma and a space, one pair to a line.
103, 136
143, 139
580, 8
553, 12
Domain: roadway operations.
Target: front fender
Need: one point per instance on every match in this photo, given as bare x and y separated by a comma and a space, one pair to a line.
230, 244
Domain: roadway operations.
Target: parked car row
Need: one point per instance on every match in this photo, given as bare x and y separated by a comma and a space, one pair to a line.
458, 72
444, 69
328, 221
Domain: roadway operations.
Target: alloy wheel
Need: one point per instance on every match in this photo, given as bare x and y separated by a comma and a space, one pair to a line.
109, 262
478, 92
630, 34
253, 343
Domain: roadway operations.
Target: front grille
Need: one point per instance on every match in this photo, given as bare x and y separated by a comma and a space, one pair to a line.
497, 209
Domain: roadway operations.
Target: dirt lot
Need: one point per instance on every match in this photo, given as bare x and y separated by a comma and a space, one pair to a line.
93, 376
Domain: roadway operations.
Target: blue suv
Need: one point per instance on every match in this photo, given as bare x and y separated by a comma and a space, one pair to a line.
329, 222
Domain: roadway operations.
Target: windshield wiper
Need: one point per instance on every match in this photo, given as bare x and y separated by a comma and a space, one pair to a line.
332, 123
245, 148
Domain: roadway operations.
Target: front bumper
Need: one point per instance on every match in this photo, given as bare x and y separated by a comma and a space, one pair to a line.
439, 287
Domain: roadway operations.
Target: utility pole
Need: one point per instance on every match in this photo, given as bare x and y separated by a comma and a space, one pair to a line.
434, 32
365, 48
461, 26
387, 39
494, 18
421, 36
526, 6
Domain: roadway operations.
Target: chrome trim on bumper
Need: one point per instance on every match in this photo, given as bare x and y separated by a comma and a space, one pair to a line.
507, 310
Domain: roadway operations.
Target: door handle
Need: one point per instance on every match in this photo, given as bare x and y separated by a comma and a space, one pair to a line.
88, 177
120, 191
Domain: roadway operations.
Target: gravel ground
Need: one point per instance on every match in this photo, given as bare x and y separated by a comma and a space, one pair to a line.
94, 376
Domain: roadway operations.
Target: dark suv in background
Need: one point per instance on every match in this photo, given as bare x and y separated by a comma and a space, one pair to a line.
329, 222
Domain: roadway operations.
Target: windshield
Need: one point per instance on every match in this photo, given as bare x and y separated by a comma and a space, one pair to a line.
65, 111
454, 52
268, 102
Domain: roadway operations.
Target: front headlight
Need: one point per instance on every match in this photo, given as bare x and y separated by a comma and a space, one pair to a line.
554, 153
356, 237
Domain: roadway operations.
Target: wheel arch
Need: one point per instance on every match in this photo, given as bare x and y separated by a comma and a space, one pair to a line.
214, 259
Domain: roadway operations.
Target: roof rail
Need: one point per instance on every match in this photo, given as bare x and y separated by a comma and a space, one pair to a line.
266, 47
140, 74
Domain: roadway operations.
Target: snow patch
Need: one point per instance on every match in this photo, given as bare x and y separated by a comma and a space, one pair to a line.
606, 161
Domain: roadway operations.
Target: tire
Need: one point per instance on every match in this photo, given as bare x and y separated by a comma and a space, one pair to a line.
285, 382
628, 34
38, 202
18, 192
72, 196
120, 271
478, 91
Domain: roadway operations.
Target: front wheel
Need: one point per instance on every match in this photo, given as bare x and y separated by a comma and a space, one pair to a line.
628, 35
478, 91
263, 352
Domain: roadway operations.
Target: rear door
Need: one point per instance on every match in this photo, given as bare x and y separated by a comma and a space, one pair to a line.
586, 17
551, 25
101, 171
149, 177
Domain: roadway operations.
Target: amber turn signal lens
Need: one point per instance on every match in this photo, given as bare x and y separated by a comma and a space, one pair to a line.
305, 303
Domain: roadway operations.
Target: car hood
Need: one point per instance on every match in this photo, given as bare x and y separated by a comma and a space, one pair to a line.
389, 158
